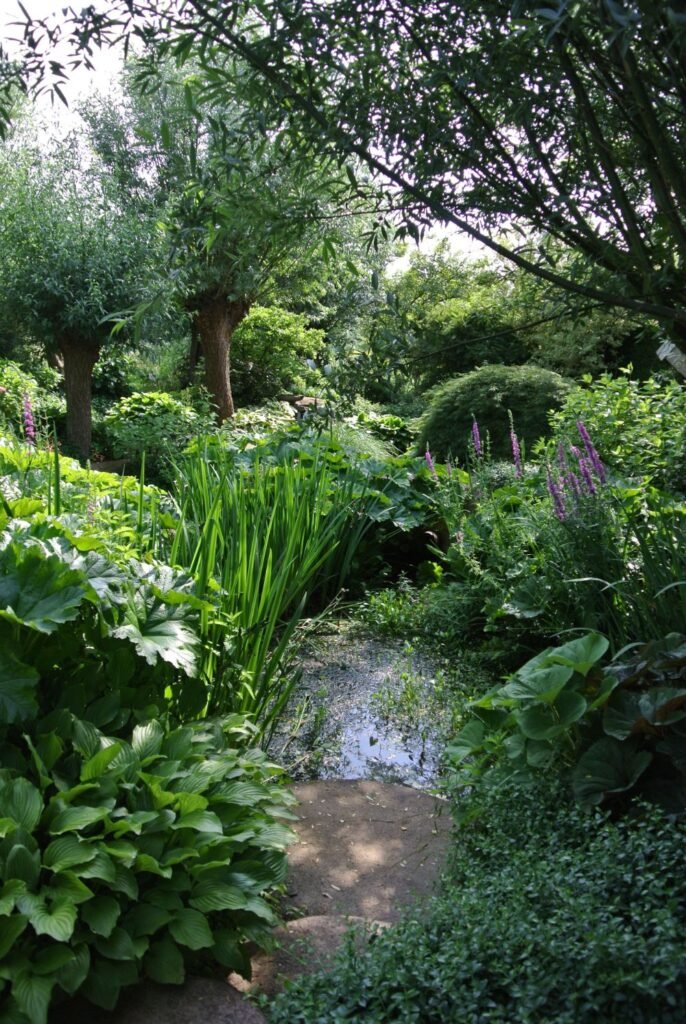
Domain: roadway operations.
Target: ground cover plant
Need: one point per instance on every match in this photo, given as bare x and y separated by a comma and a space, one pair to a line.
549, 914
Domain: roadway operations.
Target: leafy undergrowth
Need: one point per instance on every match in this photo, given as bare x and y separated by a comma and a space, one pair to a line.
550, 915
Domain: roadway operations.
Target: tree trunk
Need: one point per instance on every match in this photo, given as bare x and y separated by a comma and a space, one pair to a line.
79, 360
216, 321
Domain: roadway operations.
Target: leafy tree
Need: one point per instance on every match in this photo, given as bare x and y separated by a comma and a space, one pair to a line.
245, 216
566, 120
71, 257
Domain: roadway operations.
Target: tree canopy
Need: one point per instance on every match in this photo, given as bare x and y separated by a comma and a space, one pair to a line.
562, 121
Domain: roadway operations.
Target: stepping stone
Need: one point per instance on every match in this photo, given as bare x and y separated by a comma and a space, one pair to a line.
365, 849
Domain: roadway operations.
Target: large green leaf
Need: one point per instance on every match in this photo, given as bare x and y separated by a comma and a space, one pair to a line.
32, 993
10, 930
17, 689
199, 821
40, 593
161, 632
207, 896
73, 974
73, 819
57, 920
117, 946
190, 928
101, 915
608, 767
543, 684
147, 739
66, 852
96, 765
164, 963
583, 653
22, 802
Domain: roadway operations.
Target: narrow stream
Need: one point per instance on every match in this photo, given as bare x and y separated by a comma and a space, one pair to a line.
361, 713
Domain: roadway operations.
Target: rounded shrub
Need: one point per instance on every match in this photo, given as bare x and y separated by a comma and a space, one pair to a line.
155, 423
16, 385
489, 395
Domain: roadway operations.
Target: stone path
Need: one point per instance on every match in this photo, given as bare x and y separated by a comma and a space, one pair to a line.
365, 851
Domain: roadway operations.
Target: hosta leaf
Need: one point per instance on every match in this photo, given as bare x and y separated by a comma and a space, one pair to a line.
10, 893
96, 765
199, 821
73, 974
105, 981
146, 919
186, 803
32, 994
57, 921
40, 592
23, 864
7, 825
125, 881
68, 851
147, 739
190, 928
244, 794
86, 738
161, 633
164, 963
22, 802
102, 867
69, 886
52, 959
101, 915
17, 690
607, 767
73, 819
144, 862
275, 836
10, 930
118, 946
261, 909
209, 896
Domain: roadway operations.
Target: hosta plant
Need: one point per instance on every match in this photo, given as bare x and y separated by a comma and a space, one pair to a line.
123, 858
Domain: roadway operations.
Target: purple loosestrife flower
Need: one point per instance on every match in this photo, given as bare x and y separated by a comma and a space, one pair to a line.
562, 457
430, 463
574, 484
516, 453
29, 424
586, 475
476, 439
591, 451
555, 493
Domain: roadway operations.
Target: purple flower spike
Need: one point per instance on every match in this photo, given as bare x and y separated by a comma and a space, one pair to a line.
516, 453
574, 484
476, 439
430, 464
586, 475
29, 424
555, 493
591, 451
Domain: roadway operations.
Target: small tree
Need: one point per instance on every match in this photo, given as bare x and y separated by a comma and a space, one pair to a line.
72, 257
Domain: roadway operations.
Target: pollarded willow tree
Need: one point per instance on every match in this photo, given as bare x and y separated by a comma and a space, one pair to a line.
72, 256
563, 120
246, 215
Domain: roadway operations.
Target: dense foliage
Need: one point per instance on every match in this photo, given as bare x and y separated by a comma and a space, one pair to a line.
550, 914
490, 395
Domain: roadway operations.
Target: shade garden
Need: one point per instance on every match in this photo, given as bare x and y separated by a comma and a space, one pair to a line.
239, 408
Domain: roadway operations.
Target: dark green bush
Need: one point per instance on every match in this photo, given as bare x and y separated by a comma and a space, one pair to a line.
551, 915
489, 395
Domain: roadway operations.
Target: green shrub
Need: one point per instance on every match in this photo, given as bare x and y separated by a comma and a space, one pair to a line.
113, 372
489, 395
639, 427
129, 858
551, 915
16, 385
155, 423
270, 349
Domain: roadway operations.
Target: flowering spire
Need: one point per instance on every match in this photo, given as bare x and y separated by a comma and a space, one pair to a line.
430, 463
555, 492
476, 439
29, 423
516, 451
591, 452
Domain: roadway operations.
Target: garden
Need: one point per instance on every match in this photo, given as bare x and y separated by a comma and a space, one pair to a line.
244, 418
